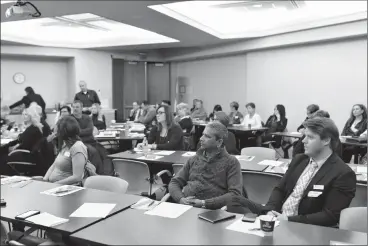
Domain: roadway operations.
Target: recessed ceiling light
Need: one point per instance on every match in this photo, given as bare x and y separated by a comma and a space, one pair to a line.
78, 31
241, 19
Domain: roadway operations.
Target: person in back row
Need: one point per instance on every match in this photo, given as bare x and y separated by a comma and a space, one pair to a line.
30, 97
149, 113
252, 119
136, 112
87, 97
183, 118
216, 108
167, 135
210, 178
316, 186
85, 123
275, 123
199, 112
354, 127
311, 109
235, 116
98, 119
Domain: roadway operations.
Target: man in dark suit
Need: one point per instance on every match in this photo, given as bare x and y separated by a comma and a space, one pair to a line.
87, 97
316, 186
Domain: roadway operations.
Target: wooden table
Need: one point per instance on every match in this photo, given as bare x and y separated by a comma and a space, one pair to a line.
20, 200
132, 227
177, 157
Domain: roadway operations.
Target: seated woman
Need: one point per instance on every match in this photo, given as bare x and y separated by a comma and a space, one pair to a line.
235, 116
29, 140
46, 128
217, 108
166, 135
98, 118
183, 118
354, 127
69, 167
275, 123
252, 119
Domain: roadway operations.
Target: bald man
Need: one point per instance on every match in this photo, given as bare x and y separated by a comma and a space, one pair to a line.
87, 97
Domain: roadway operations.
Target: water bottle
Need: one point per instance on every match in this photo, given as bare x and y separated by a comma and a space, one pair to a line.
145, 146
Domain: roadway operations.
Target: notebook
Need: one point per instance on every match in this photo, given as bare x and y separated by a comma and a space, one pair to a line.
46, 219
216, 216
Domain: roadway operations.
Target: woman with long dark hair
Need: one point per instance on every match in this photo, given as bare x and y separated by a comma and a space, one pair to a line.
166, 135
275, 123
354, 127
216, 109
71, 163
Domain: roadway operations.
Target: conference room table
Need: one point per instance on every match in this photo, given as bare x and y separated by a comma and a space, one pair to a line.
177, 157
29, 197
132, 227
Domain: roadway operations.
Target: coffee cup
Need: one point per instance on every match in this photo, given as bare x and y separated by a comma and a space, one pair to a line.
267, 224
113, 121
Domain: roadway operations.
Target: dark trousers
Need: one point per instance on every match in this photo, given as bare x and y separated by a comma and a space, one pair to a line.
242, 205
349, 151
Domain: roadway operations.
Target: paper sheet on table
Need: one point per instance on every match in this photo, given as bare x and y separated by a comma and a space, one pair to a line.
169, 210
270, 163
189, 154
296, 133
362, 169
13, 179
246, 227
47, 220
152, 157
62, 190
244, 157
165, 152
93, 210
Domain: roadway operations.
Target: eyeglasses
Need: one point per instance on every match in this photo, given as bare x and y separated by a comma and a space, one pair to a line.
160, 112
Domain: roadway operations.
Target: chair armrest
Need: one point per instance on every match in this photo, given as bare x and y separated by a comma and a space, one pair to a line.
19, 151
159, 174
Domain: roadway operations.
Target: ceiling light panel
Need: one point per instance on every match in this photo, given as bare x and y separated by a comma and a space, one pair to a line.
240, 19
78, 31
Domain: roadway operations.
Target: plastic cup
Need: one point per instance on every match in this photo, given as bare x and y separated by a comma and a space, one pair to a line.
267, 224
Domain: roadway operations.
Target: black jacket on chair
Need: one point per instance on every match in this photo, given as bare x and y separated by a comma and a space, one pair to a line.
339, 185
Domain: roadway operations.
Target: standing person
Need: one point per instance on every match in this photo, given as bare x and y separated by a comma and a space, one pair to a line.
354, 127
30, 97
235, 116
87, 97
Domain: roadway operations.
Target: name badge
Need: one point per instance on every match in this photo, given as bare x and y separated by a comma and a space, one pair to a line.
314, 193
318, 187
67, 154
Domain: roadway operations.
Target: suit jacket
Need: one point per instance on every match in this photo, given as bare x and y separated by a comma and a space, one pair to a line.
339, 183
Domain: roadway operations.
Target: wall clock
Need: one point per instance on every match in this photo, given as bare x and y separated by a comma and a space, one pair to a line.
19, 78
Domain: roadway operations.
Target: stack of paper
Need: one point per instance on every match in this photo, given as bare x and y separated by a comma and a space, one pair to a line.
250, 228
62, 190
13, 179
189, 154
169, 210
271, 163
145, 204
150, 157
46, 219
93, 210
361, 169
165, 152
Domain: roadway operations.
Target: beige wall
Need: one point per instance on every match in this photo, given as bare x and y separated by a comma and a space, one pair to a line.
331, 74
48, 77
